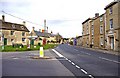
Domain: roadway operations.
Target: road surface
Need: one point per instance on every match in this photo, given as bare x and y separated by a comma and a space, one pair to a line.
66, 60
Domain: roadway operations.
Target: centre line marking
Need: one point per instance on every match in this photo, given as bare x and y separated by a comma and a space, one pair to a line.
77, 66
73, 63
60, 55
84, 71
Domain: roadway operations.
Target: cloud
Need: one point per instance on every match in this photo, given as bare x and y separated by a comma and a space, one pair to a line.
63, 16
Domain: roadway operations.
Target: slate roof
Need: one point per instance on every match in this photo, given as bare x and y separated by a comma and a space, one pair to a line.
13, 26
38, 33
111, 4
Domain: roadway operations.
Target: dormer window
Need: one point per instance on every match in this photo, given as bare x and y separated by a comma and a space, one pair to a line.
13, 26
22, 27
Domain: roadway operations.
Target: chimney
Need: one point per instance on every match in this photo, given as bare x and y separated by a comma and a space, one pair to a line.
33, 28
3, 18
96, 14
39, 30
45, 25
24, 23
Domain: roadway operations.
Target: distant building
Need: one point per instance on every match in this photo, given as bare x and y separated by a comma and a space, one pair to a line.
86, 32
113, 25
13, 33
79, 40
40, 37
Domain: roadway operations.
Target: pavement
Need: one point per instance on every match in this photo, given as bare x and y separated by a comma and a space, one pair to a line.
20, 64
102, 50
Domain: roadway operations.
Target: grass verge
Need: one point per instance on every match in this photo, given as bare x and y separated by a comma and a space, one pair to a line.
24, 48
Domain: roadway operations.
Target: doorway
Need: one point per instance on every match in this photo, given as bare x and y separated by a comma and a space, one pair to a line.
112, 43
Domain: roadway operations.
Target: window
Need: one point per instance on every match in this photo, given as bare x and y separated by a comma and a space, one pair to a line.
92, 30
92, 41
101, 41
12, 33
23, 39
110, 10
87, 31
101, 19
111, 23
22, 27
101, 29
23, 33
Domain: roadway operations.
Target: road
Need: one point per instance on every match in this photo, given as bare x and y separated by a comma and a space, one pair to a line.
66, 60
91, 63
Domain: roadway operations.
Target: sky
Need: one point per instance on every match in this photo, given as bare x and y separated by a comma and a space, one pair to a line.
62, 16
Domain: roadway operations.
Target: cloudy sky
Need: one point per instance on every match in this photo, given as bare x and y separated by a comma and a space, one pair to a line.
63, 16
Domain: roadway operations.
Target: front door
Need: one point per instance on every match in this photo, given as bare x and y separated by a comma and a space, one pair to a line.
112, 43
32, 42
5, 41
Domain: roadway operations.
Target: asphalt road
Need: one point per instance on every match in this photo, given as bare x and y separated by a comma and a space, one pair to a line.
66, 60
82, 61
20, 64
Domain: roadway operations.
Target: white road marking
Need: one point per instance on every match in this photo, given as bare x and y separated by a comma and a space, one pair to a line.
66, 58
60, 55
84, 71
73, 63
75, 49
91, 76
109, 60
88, 53
77, 66
69, 61
15, 58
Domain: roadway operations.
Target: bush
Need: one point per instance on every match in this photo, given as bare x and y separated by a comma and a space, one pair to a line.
71, 43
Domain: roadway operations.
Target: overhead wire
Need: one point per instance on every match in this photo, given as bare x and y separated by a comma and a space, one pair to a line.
20, 18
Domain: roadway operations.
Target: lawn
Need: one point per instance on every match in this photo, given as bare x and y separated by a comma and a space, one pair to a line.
24, 48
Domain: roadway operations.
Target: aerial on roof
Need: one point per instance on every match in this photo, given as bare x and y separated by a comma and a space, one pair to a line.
13, 26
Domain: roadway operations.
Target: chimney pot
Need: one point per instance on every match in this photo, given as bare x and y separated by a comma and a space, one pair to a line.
96, 14
33, 28
3, 18
24, 23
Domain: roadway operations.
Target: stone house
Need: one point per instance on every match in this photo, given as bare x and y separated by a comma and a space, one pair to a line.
79, 40
113, 25
13, 33
86, 32
38, 37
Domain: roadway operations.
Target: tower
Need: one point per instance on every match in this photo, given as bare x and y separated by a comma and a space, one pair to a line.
45, 25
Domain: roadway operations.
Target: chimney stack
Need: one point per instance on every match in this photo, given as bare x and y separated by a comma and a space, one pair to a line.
3, 18
45, 25
39, 30
96, 14
24, 23
33, 28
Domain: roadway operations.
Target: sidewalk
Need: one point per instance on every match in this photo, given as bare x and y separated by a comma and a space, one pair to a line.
102, 50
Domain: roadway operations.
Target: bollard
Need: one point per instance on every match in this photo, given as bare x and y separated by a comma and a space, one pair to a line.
41, 54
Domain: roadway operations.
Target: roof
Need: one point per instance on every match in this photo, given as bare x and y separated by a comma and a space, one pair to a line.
38, 33
111, 4
78, 37
13, 26
86, 20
